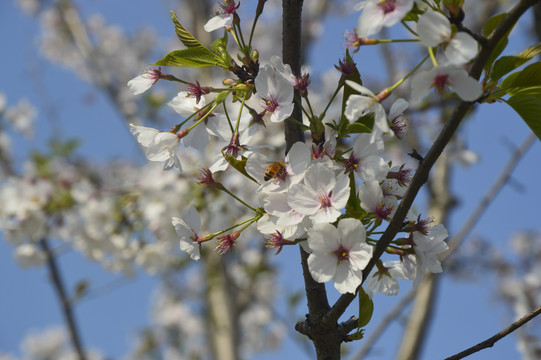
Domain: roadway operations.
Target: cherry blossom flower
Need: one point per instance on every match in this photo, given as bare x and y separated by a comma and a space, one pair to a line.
187, 227
321, 195
427, 248
357, 105
224, 16
275, 92
435, 29
373, 201
365, 158
466, 87
397, 118
28, 255
383, 278
142, 83
158, 145
339, 254
214, 124
379, 13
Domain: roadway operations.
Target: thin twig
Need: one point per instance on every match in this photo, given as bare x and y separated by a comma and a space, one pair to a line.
491, 341
64, 300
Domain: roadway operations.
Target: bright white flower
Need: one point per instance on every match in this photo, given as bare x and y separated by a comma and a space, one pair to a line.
142, 83
22, 117
435, 29
224, 16
28, 255
373, 201
365, 158
158, 145
198, 137
357, 105
187, 227
383, 278
427, 247
397, 118
439, 77
322, 194
339, 254
276, 93
379, 13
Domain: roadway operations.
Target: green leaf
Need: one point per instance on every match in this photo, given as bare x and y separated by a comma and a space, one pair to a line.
487, 31
529, 108
193, 57
363, 125
505, 64
184, 35
530, 76
366, 308
353, 206
531, 90
492, 23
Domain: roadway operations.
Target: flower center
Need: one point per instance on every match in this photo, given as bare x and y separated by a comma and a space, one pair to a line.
382, 211
387, 6
341, 253
325, 199
229, 7
270, 104
440, 81
352, 164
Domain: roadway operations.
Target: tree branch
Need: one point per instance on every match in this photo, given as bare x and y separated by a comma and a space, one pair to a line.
64, 300
491, 341
433, 154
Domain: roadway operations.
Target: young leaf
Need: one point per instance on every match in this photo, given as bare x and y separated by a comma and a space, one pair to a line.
193, 57
529, 108
366, 308
505, 64
184, 35
530, 76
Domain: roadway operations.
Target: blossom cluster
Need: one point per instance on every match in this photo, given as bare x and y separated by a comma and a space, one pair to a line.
332, 195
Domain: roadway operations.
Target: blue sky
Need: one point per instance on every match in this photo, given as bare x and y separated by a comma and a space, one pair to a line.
467, 312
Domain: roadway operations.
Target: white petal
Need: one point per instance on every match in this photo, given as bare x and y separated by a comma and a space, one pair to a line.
465, 86
421, 84
399, 106
461, 49
433, 28
346, 280
323, 238
140, 84
370, 194
191, 247
322, 266
218, 22
302, 200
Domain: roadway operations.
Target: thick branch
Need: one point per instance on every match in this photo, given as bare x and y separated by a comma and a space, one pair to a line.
435, 151
291, 52
491, 341
64, 300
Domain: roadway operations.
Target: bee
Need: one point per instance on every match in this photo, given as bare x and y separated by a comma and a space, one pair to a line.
276, 169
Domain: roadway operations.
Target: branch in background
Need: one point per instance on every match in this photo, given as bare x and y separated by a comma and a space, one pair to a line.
433, 154
504, 177
64, 300
491, 341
